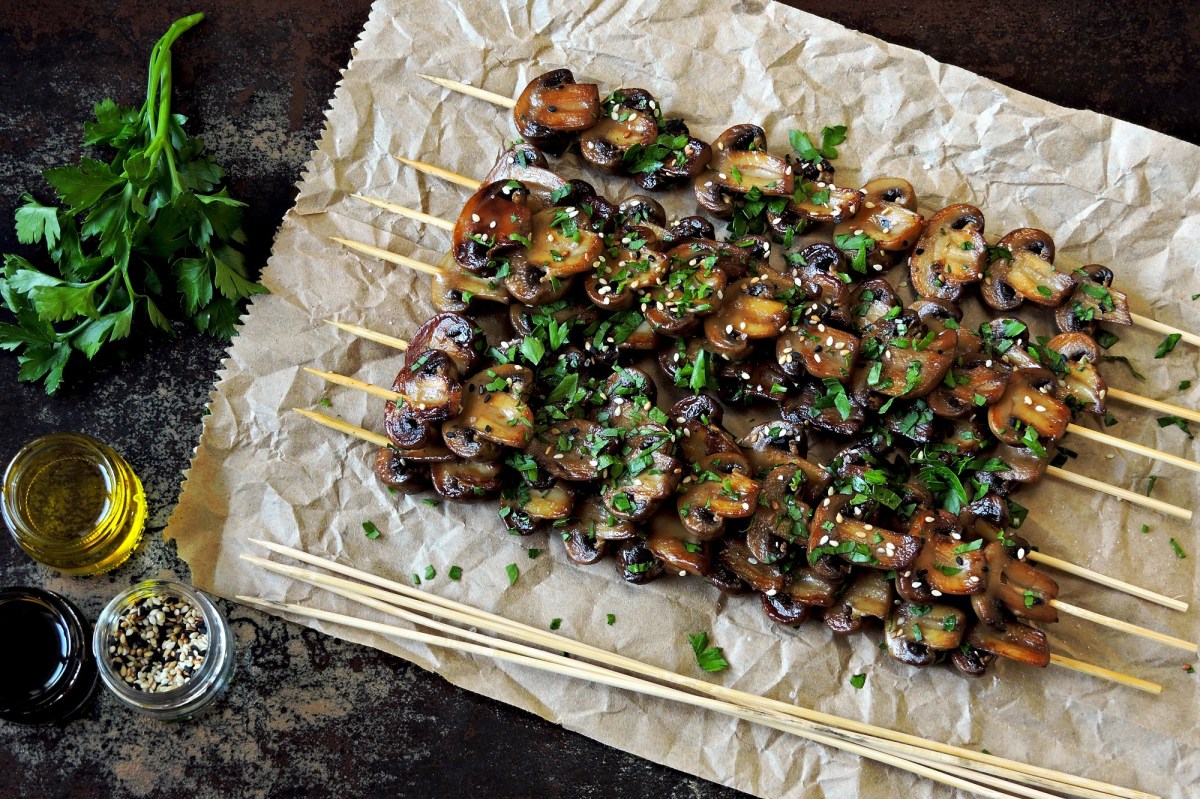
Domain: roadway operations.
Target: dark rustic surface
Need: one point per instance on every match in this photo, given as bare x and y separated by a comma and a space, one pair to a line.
307, 715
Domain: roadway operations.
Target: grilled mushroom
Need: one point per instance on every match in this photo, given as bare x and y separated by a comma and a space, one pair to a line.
570, 450
429, 383
396, 471
676, 547
494, 405
868, 595
465, 479
553, 106
636, 563
455, 335
1029, 404
1024, 270
934, 626
1094, 300
950, 253
1080, 384
454, 289
1016, 641
738, 558
496, 219
887, 215
561, 243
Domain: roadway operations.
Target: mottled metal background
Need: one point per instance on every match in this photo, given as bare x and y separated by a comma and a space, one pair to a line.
307, 715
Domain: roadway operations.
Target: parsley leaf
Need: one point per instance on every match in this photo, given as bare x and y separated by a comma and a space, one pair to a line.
513, 573
708, 657
858, 680
1167, 345
455, 573
370, 530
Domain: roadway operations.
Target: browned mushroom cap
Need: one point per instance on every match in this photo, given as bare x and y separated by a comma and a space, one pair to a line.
702, 439
690, 290
396, 471
494, 405
971, 662
821, 351
918, 368
1094, 300
1024, 466
956, 566
835, 530
698, 407
868, 595
870, 303
636, 563
651, 475
1029, 404
671, 543
561, 243
454, 289
950, 253
581, 546
781, 519
531, 284
977, 380
936, 626
463, 441
750, 311
540, 504
430, 385
736, 556
741, 162
1023, 269
826, 202
553, 104
405, 429
495, 219
817, 406
719, 489
570, 450
1016, 641
526, 165
902, 646
455, 335
604, 144
638, 209
594, 520
1017, 587
465, 479
1080, 384
713, 197
887, 215
805, 592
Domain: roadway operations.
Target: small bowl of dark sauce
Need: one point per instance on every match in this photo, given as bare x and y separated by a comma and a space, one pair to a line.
47, 672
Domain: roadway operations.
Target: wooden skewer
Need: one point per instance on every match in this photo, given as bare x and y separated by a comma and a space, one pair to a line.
1153, 404
371, 335
1159, 327
411, 213
567, 668
345, 427
392, 604
389, 256
1121, 493
500, 100
1106, 674
1130, 446
571, 646
1110, 582
1123, 626
350, 382
472, 91
438, 172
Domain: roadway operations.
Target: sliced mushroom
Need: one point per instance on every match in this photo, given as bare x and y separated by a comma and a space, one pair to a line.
430, 386
935, 626
950, 253
1094, 300
570, 449
676, 547
718, 489
698, 407
902, 646
495, 219
455, 335
828, 203
1017, 587
781, 519
533, 285
638, 209
736, 556
396, 471
916, 364
688, 228
652, 474
454, 289
1029, 404
741, 162
817, 407
561, 243
1016, 641
636, 563
404, 428
581, 546
887, 215
494, 405
466, 443
524, 163
872, 302
465, 479
604, 144
1024, 270
978, 380
836, 530
553, 105
1080, 385
818, 350
594, 520
868, 595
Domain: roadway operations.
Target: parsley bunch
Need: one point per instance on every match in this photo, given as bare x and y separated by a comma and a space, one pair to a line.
151, 231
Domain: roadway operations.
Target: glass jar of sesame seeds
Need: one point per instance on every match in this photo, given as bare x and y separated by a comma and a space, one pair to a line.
163, 649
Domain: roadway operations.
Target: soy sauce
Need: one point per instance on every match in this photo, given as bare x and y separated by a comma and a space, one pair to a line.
46, 671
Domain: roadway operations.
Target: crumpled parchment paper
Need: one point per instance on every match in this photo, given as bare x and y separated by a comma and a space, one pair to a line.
1107, 191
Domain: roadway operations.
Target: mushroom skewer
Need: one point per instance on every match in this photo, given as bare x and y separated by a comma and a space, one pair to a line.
1083, 613
504, 102
1034, 555
1080, 431
1058, 660
453, 177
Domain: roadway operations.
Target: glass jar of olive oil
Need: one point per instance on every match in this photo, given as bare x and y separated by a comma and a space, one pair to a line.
73, 503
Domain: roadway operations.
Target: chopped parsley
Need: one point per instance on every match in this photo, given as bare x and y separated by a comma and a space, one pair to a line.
1179, 553
370, 530
858, 680
610, 619
513, 573
709, 658
430, 572
1167, 345
555, 624
455, 573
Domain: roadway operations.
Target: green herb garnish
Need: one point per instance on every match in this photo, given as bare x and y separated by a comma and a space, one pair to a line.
708, 657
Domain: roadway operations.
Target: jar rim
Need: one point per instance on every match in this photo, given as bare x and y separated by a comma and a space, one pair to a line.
207, 677
75, 627
25, 532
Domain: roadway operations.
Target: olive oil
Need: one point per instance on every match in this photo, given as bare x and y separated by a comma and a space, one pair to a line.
74, 504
